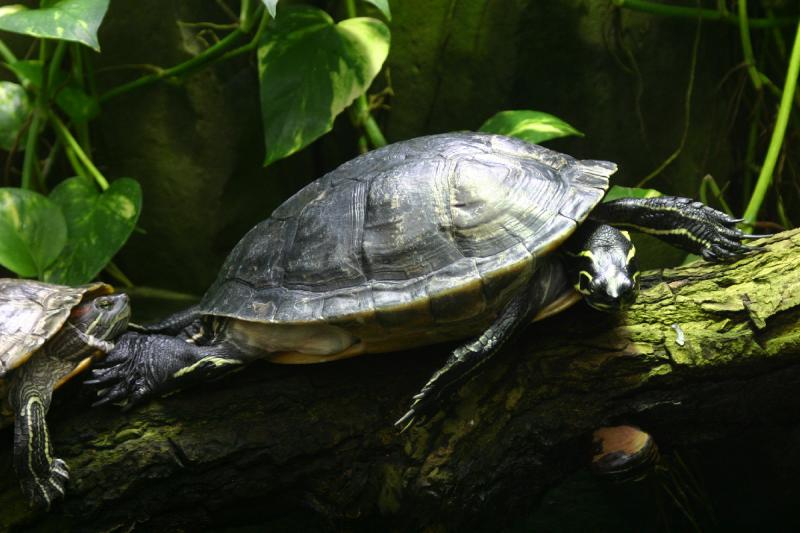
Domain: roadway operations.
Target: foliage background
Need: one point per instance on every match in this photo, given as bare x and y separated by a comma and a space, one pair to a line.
619, 76
197, 148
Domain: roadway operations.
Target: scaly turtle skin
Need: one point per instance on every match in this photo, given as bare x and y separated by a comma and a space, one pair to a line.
48, 333
453, 236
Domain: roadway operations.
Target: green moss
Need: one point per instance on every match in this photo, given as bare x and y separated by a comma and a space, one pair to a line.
391, 490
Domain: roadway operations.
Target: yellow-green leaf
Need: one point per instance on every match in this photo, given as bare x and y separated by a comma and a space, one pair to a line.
32, 232
271, 6
67, 20
383, 6
310, 70
98, 223
14, 109
532, 126
617, 191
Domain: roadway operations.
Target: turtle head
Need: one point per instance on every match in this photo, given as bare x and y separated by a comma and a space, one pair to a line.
104, 317
605, 272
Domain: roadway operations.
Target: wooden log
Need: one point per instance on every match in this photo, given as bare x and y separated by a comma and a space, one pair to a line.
706, 350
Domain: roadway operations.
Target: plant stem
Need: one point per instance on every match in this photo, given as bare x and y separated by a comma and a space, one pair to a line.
161, 294
7, 54
687, 113
709, 182
73, 145
365, 119
363, 116
198, 61
747, 45
115, 272
244, 15
656, 8
81, 127
750, 154
55, 63
253, 44
765, 176
36, 121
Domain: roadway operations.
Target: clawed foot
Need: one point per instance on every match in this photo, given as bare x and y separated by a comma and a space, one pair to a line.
127, 375
423, 405
142, 366
716, 236
42, 492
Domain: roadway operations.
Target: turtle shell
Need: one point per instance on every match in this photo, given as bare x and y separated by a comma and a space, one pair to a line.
31, 312
435, 230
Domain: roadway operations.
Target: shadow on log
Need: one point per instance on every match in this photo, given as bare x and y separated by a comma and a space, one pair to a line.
707, 350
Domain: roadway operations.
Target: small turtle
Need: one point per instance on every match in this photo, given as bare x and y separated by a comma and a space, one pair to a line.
48, 334
439, 238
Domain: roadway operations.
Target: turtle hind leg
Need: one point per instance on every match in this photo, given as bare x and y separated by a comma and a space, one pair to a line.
43, 476
141, 366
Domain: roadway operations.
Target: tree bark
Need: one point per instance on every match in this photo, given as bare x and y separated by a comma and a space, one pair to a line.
706, 350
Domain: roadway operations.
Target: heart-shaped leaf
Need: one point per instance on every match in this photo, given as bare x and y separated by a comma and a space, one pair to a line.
98, 225
14, 109
32, 232
310, 70
383, 6
271, 5
532, 126
71, 98
67, 20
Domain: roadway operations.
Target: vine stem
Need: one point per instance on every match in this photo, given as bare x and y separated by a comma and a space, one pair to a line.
36, 121
75, 147
747, 45
687, 112
695, 12
198, 61
775, 143
7, 54
362, 113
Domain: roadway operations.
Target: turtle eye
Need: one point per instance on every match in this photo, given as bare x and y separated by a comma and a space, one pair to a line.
104, 304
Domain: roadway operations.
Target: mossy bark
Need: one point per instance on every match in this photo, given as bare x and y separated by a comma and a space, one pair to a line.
705, 351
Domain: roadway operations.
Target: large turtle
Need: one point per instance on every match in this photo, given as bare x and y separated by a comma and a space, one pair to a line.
432, 239
48, 334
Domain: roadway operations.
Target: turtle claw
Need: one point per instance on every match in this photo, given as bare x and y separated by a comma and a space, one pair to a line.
421, 408
406, 421
122, 377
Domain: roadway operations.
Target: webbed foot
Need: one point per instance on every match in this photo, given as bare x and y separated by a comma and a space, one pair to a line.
142, 366
132, 372
682, 222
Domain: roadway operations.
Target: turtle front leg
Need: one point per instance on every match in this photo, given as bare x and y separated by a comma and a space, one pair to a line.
42, 476
141, 366
548, 287
682, 222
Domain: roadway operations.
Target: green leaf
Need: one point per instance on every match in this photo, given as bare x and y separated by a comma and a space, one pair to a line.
78, 105
310, 70
66, 20
271, 5
70, 98
383, 6
29, 71
14, 109
98, 223
617, 191
532, 126
32, 232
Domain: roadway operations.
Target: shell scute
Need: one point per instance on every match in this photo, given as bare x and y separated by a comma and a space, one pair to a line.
441, 227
